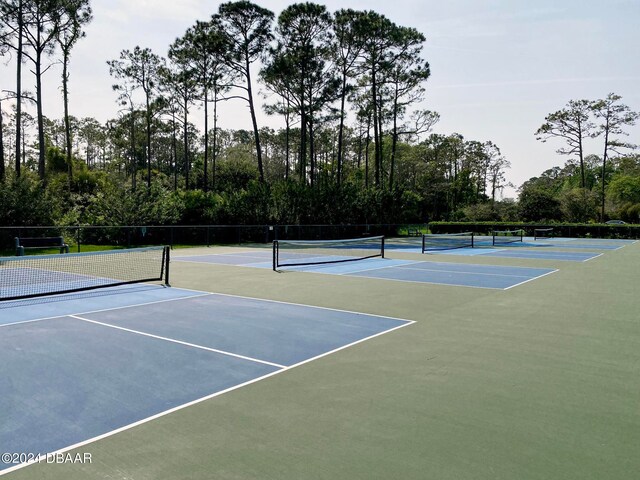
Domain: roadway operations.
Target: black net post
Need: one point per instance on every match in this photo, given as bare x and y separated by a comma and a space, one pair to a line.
166, 260
275, 255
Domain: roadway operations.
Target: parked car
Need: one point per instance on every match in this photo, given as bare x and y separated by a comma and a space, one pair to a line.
615, 222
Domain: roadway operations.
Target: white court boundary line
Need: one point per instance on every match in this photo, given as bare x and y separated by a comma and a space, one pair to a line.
407, 266
283, 302
588, 259
397, 280
531, 279
587, 247
535, 255
202, 293
198, 294
427, 282
473, 273
179, 342
406, 262
203, 399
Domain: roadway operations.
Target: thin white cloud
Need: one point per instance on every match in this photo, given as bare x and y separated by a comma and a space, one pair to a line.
550, 81
127, 11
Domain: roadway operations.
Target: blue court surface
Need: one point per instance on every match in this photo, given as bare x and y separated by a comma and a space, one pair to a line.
570, 243
521, 253
537, 254
83, 366
526, 250
455, 274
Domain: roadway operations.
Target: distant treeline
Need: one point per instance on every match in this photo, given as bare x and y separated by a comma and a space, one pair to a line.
356, 146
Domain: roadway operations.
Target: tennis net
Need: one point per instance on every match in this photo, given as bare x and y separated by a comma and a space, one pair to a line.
39, 275
539, 233
287, 253
446, 241
504, 237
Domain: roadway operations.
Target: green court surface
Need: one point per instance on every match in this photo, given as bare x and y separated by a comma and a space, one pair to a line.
536, 382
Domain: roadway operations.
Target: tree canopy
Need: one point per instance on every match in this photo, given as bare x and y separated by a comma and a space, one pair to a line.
358, 143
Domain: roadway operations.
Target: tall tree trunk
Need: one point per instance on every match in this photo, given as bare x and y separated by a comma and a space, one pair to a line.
19, 90
394, 141
494, 180
148, 119
604, 167
484, 186
581, 155
254, 121
366, 152
185, 132
312, 153
341, 127
134, 163
303, 146
379, 144
582, 176
286, 141
174, 150
1, 144
214, 155
67, 122
41, 142
376, 135
359, 146
206, 138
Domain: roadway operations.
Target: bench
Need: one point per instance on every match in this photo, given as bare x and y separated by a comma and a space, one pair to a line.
414, 232
23, 243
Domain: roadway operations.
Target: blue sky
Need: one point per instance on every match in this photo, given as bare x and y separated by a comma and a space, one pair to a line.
498, 66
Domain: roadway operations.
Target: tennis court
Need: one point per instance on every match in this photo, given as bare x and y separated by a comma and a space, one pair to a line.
521, 247
105, 362
532, 254
244, 373
580, 243
440, 273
